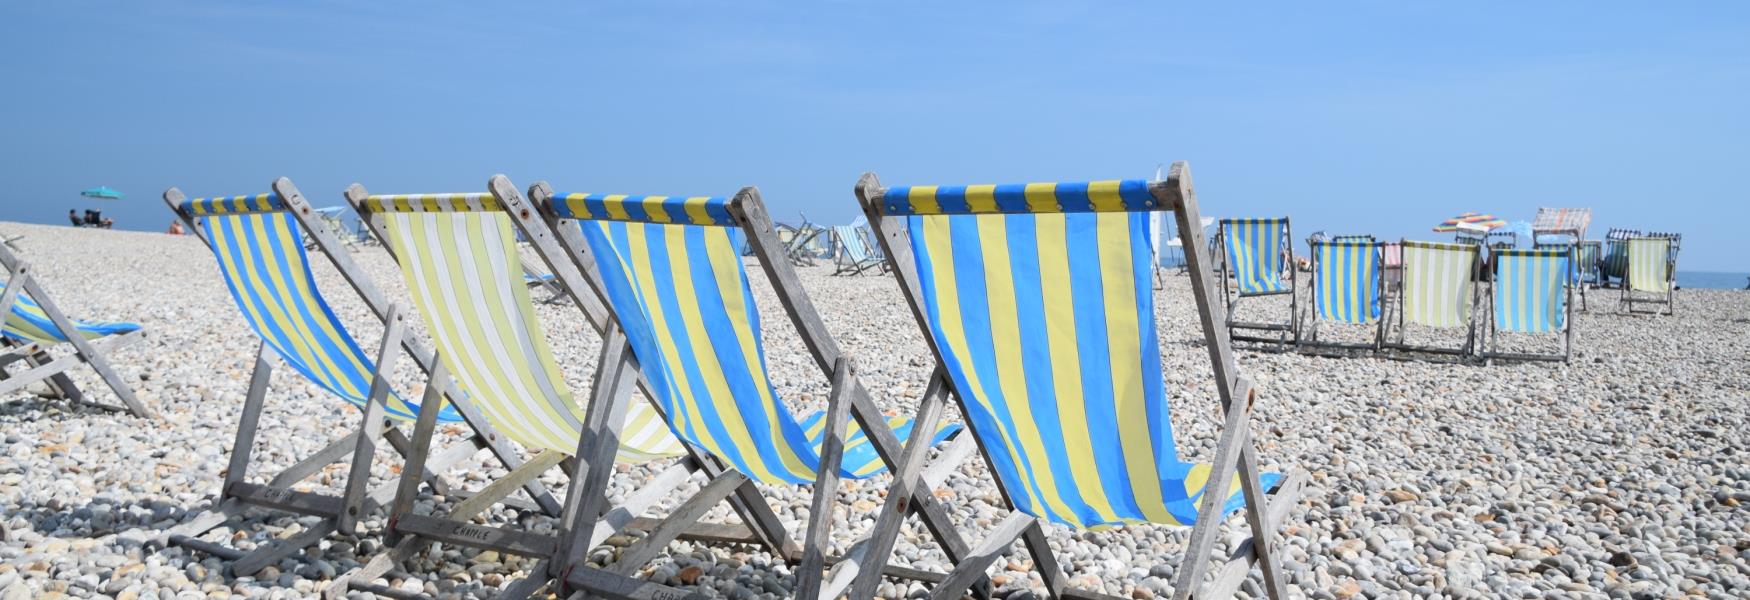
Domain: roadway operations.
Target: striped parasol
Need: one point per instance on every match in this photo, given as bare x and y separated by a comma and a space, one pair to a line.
1471, 221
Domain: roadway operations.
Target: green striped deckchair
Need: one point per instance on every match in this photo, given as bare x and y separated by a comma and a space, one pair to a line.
1532, 293
851, 252
1036, 301
1348, 284
670, 272
258, 242
1439, 290
458, 257
1256, 255
1649, 276
34, 324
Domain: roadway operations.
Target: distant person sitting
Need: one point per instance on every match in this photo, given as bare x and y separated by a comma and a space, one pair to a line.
73, 215
175, 228
95, 219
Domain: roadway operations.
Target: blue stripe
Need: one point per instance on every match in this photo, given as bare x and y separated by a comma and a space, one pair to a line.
1088, 298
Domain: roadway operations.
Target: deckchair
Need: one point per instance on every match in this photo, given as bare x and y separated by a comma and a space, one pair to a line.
1439, 290
34, 324
1650, 276
1348, 282
667, 269
1257, 254
1533, 293
1034, 300
851, 254
1614, 264
256, 241
458, 259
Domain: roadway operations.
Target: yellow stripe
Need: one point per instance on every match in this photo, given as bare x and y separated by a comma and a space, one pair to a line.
923, 200
1103, 196
1042, 198
616, 205
1066, 365
653, 209
579, 208
981, 199
695, 207
1123, 334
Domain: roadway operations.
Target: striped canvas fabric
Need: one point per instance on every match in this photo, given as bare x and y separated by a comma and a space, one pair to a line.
1649, 265
1346, 283
1256, 249
28, 323
260, 250
1046, 324
1530, 295
1589, 255
1437, 283
681, 292
852, 244
458, 256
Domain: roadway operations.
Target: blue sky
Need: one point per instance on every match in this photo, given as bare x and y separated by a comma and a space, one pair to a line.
1380, 117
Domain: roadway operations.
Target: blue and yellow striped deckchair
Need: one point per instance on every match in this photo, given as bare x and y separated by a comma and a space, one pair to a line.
851, 252
1037, 301
671, 273
680, 290
1257, 253
1439, 290
1348, 281
262, 258
33, 324
1532, 293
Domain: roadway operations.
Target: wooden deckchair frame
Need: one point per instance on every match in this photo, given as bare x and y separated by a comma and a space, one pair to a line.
237, 496
847, 399
1310, 342
1493, 351
1234, 450
410, 532
843, 263
1470, 337
40, 365
1629, 297
1286, 335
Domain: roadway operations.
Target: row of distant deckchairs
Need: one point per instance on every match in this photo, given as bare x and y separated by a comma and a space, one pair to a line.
661, 280
1435, 285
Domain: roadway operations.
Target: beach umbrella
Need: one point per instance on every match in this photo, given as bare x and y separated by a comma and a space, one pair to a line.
1475, 221
102, 192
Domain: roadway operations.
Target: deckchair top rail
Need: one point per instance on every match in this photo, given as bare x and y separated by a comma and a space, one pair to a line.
1440, 246
456, 202
233, 205
1254, 221
709, 211
1127, 195
1535, 253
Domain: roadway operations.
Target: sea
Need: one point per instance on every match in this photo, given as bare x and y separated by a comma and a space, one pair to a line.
1712, 280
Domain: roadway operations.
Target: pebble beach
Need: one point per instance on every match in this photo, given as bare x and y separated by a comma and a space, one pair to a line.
1622, 474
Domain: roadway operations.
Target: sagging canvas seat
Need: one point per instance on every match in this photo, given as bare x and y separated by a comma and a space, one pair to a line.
1650, 275
1532, 294
1036, 301
34, 324
1438, 290
1348, 284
